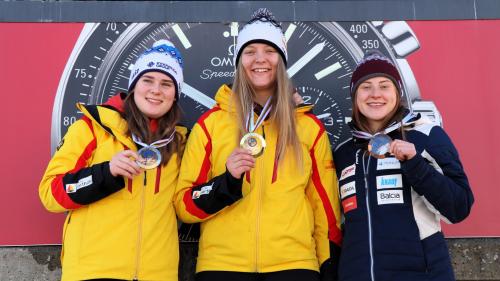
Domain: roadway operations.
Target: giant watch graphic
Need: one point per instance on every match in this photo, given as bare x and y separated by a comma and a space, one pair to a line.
322, 57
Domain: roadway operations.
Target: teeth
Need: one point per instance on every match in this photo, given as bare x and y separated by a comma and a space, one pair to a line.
260, 70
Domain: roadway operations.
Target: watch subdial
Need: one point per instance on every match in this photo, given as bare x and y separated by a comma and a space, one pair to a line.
328, 111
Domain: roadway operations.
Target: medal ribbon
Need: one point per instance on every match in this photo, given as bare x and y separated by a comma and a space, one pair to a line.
251, 126
408, 120
156, 144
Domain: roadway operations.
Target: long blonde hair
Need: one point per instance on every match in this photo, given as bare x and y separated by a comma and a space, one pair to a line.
282, 114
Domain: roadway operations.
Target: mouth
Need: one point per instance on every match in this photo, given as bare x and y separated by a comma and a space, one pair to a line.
376, 104
261, 70
154, 101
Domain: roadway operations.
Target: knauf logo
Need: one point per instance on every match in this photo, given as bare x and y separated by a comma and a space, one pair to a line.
150, 64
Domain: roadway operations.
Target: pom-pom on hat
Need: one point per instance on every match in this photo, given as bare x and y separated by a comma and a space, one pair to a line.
372, 65
162, 57
262, 28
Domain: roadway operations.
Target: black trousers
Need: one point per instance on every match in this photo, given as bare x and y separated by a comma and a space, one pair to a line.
285, 275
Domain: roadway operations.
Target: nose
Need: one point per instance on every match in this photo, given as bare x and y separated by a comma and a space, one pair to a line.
376, 92
259, 56
155, 88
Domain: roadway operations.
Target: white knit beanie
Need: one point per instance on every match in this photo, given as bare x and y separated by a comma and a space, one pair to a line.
262, 28
162, 57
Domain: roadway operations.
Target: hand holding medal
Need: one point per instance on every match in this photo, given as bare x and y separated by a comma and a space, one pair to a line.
239, 162
251, 141
380, 145
403, 150
123, 164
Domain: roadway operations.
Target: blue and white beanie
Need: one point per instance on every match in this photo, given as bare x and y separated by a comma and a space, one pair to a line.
162, 57
262, 28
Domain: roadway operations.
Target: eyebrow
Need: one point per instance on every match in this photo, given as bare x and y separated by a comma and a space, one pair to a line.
162, 80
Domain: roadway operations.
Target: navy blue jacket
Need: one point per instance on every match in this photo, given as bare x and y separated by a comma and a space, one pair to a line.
392, 209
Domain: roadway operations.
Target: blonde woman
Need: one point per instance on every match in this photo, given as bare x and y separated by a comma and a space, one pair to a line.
258, 174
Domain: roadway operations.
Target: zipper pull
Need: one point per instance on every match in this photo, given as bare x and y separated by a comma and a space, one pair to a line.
145, 178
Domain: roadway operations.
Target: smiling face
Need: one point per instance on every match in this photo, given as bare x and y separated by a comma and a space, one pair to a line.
260, 62
376, 99
154, 94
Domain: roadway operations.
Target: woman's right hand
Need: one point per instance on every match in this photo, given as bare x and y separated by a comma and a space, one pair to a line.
239, 162
123, 164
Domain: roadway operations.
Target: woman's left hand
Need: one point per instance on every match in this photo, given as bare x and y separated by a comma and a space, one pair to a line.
402, 150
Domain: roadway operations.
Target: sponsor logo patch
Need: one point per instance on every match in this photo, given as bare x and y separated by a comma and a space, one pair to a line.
388, 163
389, 181
71, 188
390, 197
349, 204
347, 172
347, 189
196, 194
206, 189
84, 182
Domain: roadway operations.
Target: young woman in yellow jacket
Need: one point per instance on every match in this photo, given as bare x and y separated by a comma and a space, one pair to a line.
258, 174
115, 172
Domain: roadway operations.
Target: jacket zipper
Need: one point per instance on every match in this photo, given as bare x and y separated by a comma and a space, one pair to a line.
370, 242
259, 206
139, 232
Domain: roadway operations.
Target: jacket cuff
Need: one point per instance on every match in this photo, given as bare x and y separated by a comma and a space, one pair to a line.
329, 268
111, 183
415, 169
233, 186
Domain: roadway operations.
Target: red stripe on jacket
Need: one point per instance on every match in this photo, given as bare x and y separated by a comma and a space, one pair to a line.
57, 186
191, 206
206, 165
158, 176
205, 168
334, 234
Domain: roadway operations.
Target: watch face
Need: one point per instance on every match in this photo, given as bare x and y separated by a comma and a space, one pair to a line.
322, 57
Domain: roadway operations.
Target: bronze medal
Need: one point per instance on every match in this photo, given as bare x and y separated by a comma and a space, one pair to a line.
379, 146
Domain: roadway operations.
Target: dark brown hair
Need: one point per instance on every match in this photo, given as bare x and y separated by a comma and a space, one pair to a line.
138, 124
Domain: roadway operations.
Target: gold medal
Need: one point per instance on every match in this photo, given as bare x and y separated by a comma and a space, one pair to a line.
253, 142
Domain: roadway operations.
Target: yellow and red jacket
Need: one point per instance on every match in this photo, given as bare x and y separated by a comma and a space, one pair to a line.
278, 216
115, 228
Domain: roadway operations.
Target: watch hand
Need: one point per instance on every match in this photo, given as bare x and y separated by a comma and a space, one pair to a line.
300, 63
324, 115
197, 96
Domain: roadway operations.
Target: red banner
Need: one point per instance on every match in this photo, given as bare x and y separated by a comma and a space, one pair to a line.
456, 67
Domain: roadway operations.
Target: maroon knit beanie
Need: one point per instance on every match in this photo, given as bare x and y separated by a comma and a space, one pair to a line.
372, 65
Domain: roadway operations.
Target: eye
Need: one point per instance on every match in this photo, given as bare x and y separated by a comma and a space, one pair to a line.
249, 52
